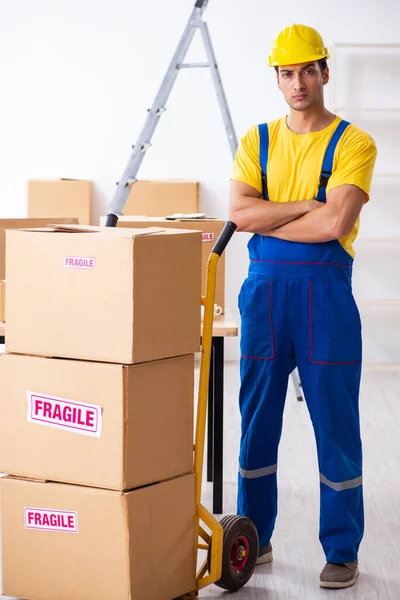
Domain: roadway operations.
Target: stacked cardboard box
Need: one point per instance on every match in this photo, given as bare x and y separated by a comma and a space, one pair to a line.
161, 198
210, 228
60, 198
96, 413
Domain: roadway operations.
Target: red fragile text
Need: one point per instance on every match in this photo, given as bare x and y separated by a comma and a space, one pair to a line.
56, 520
79, 262
207, 237
65, 413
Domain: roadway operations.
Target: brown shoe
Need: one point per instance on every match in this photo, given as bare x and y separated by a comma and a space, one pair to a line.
265, 555
339, 575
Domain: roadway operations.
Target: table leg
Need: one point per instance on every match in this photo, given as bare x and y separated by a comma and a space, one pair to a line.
218, 423
210, 415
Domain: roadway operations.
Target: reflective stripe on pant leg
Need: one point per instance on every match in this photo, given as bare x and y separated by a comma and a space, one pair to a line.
256, 473
341, 485
342, 518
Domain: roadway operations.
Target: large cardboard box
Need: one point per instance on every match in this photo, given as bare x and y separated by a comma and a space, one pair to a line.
210, 228
69, 542
96, 424
111, 294
2, 301
162, 198
22, 224
60, 198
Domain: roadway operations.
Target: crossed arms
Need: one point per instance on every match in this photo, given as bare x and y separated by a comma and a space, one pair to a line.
307, 221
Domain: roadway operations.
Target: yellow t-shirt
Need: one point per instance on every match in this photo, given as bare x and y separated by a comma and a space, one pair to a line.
295, 163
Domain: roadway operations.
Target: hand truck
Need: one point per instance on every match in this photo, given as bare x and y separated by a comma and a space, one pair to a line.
232, 547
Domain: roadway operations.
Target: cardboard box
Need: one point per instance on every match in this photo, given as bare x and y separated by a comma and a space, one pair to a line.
60, 198
211, 228
96, 424
22, 224
69, 542
162, 198
111, 294
2, 301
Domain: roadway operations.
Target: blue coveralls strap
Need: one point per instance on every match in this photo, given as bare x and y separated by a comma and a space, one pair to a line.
297, 309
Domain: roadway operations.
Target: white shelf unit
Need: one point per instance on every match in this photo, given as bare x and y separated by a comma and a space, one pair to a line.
375, 108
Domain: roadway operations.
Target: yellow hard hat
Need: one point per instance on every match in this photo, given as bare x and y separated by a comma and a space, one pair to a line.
297, 44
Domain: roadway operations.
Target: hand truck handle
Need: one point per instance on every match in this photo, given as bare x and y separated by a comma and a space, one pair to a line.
224, 238
111, 220
200, 3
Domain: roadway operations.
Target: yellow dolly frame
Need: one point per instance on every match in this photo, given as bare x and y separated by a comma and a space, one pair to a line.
232, 546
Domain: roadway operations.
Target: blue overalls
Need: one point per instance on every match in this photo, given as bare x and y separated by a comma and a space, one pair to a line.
297, 309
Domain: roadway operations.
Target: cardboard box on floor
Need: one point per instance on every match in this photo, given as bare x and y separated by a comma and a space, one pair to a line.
2, 301
110, 294
96, 424
69, 542
211, 228
60, 198
155, 198
23, 224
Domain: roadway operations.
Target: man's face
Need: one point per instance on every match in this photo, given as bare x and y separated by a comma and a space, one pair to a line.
302, 85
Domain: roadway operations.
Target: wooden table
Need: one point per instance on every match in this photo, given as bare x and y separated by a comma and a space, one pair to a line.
223, 326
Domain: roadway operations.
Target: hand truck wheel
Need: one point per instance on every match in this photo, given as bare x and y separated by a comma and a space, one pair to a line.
239, 552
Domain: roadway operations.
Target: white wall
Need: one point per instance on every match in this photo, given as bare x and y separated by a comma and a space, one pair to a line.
77, 76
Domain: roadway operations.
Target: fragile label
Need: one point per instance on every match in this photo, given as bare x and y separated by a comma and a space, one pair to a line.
65, 414
51, 520
207, 237
79, 262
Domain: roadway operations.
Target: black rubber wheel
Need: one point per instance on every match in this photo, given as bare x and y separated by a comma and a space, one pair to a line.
239, 552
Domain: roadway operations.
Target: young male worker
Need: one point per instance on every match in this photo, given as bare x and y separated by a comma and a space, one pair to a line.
299, 184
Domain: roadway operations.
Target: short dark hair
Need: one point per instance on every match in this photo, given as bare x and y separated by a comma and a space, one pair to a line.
322, 65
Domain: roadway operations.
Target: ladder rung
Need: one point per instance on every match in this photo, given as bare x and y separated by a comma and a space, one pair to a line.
128, 183
192, 65
159, 111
